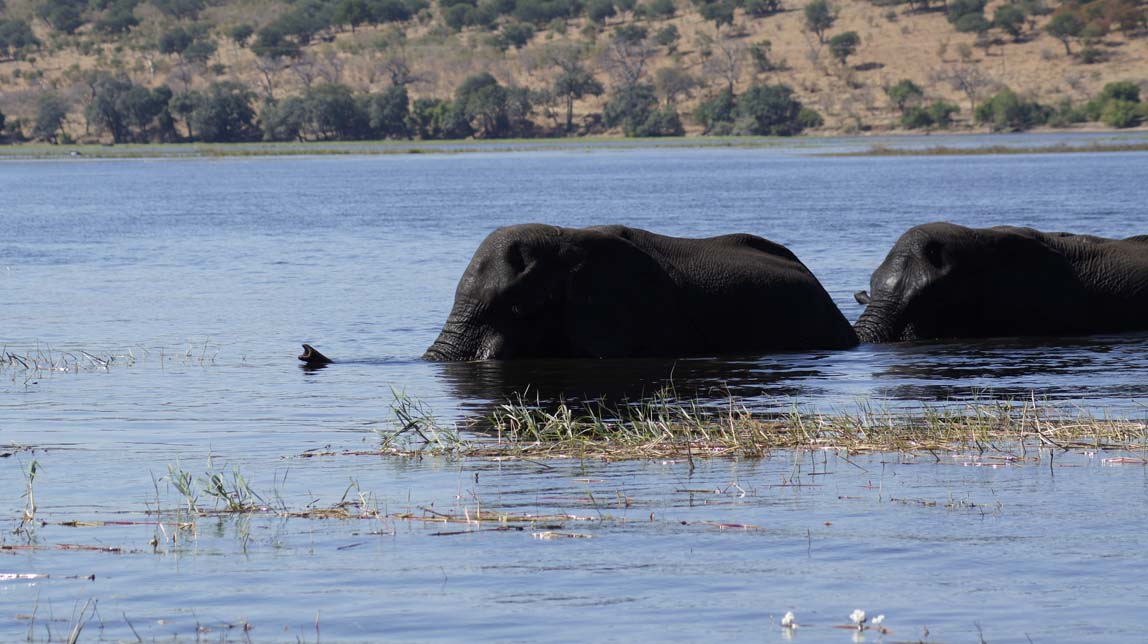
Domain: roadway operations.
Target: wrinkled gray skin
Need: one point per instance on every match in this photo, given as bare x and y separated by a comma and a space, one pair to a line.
534, 291
941, 280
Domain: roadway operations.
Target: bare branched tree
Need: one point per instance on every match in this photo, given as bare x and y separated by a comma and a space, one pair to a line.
625, 59
969, 79
726, 62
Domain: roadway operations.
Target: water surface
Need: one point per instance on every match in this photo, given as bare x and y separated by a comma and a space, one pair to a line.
203, 276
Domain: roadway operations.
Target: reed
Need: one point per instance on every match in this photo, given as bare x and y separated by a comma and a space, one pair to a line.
664, 426
942, 150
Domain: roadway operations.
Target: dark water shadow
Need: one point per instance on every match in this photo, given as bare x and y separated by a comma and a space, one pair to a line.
1106, 368
482, 386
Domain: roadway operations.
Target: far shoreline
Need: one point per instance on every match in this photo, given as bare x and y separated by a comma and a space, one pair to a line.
865, 144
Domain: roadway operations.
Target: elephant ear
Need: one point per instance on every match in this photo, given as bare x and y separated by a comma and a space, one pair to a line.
619, 300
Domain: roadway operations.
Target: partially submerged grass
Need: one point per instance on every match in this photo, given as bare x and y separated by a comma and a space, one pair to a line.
42, 360
941, 150
663, 427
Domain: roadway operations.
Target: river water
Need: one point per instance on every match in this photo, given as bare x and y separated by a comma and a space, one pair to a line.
202, 277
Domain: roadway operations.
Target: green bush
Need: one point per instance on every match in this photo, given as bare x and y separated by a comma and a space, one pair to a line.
1121, 114
16, 37
1009, 18
717, 114
658, 9
771, 110
916, 118
844, 45
904, 94
224, 114
1007, 112
942, 113
51, 110
283, 120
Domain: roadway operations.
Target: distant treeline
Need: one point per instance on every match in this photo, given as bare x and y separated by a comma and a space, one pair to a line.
480, 108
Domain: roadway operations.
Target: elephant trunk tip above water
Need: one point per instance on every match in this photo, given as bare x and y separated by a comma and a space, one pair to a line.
311, 357
540, 291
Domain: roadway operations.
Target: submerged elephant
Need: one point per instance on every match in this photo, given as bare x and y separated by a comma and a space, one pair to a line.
942, 280
533, 290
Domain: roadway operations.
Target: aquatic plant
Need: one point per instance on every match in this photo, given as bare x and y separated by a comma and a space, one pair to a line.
29, 516
416, 429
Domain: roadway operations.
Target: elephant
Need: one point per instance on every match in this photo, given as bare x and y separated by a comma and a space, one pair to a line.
944, 281
540, 291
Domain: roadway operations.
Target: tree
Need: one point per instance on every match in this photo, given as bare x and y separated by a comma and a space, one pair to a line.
179, 9
1009, 18
844, 45
573, 83
959, 9
599, 11
904, 94
1, 122
1121, 91
673, 82
437, 119
272, 43
351, 12
819, 17
659, 9
224, 114
772, 110
1121, 113
65, 16
762, 8
51, 110
389, 112
627, 53
1007, 112
175, 41
517, 34
241, 33
717, 114
668, 37
118, 19
494, 110
105, 108
972, 23
629, 107
283, 120
761, 54
1065, 26
719, 12
15, 37
334, 114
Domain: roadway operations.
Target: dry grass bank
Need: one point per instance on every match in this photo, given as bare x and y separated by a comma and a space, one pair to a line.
896, 43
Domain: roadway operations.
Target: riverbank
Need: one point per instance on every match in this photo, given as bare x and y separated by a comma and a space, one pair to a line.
895, 144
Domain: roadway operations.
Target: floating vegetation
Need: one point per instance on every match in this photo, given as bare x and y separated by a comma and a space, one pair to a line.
29, 364
942, 150
664, 427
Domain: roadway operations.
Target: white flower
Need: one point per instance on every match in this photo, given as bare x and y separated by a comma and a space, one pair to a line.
876, 621
788, 620
858, 617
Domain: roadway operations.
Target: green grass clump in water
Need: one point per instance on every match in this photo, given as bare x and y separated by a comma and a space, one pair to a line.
663, 426
941, 150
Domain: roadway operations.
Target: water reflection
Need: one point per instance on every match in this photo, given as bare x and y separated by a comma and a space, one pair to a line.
1095, 367
1091, 367
479, 386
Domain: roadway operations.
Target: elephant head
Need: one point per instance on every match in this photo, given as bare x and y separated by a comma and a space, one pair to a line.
534, 290
941, 280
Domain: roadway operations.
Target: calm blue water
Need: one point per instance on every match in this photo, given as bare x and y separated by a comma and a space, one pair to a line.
203, 276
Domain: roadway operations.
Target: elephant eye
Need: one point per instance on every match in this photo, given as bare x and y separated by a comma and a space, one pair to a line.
517, 310
933, 254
